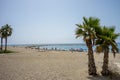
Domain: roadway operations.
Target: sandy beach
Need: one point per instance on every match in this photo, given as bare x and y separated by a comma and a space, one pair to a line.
31, 64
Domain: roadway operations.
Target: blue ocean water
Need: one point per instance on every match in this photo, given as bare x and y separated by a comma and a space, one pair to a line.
69, 46
65, 46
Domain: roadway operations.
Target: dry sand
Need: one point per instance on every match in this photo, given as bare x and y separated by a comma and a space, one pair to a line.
30, 64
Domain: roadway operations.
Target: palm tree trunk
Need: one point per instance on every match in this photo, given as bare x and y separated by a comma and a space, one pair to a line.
1, 43
91, 64
6, 44
105, 71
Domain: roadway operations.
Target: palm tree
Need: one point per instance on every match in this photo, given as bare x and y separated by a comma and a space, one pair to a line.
6, 31
87, 30
106, 39
1, 39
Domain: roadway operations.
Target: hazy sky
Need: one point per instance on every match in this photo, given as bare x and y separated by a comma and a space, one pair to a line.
53, 21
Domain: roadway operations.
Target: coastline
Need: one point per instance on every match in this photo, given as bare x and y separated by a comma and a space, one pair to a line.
80, 47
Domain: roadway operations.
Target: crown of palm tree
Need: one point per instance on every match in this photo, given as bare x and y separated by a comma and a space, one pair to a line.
106, 38
87, 29
6, 31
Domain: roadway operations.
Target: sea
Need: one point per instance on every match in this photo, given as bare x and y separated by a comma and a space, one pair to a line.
82, 47
65, 46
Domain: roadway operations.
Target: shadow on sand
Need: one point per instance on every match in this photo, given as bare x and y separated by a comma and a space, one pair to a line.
112, 76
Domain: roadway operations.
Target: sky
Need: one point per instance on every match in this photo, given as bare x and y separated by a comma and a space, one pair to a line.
53, 21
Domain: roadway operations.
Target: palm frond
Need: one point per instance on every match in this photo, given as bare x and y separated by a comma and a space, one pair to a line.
78, 32
114, 48
87, 29
6, 31
106, 37
112, 28
85, 20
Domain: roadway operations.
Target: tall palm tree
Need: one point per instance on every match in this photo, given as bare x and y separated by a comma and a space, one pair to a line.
87, 30
6, 31
106, 39
1, 31
1, 35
